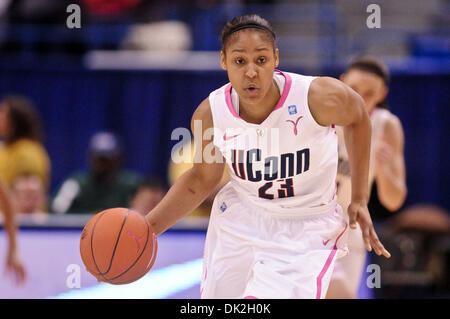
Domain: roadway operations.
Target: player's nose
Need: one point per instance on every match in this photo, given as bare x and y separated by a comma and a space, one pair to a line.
251, 71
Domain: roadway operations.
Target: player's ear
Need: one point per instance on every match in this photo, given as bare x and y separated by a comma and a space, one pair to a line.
382, 93
385, 92
223, 63
277, 57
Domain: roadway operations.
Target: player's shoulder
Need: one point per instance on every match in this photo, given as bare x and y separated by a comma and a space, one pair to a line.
297, 80
203, 110
326, 92
300, 77
326, 85
202, 113
392, 118
391, 126
391, 121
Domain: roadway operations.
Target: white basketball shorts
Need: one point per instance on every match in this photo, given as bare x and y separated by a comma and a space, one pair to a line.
251, 253
349, 269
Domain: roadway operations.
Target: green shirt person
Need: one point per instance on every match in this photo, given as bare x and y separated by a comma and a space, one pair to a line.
105, 185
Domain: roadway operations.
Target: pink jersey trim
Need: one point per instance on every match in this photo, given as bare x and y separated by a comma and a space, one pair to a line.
287, 88
228, 100
204, 279
335, 189
327, 265
250, 297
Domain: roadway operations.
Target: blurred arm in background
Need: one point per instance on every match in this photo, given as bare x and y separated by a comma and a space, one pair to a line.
390, 165
13, 262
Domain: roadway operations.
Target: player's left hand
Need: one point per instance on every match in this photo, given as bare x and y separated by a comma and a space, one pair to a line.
359, 213
14, 264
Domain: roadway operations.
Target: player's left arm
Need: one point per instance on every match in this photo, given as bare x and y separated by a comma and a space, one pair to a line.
333, 102
390, 172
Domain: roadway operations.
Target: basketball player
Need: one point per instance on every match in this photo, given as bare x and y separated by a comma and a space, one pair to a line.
369, 77
275, 229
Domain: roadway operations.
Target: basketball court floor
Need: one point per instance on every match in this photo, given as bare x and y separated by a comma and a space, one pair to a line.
55, 269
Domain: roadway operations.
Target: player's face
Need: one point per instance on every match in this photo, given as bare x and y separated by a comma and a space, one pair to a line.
250, 60
370, 86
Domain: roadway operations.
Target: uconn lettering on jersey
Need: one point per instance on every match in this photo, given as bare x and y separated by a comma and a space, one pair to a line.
275, 167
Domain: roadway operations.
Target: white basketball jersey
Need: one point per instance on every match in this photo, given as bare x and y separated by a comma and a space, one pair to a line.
288, 163
378, 119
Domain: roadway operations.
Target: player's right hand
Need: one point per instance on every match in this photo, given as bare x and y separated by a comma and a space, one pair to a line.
359, 213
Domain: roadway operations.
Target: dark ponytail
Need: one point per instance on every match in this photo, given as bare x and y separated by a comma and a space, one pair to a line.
245, 22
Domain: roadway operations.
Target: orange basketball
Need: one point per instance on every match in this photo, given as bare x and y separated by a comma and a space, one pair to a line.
118, 246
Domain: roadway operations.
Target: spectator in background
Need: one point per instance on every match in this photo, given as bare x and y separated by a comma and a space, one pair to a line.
104, 185
158, 26
37, 11
28, 195
23, 158
110, 8
149, 194
418, 237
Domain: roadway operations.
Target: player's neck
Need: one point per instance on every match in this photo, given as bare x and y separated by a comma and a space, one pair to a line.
256, 114
370, 110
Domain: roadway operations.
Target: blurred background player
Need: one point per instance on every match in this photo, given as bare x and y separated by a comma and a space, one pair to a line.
369, 77
24, 162
104, 185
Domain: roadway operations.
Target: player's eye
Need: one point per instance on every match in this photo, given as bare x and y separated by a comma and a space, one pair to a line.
262, 60
239, 61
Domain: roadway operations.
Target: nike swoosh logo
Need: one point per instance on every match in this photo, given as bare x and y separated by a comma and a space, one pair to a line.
325, 242
136, 238
226, 138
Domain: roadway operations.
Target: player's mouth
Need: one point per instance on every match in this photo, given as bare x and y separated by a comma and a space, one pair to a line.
252, 90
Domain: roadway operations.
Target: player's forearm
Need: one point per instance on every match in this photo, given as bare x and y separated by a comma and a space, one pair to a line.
187, 193
391, 188
11, 229
357, 141
9, 220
